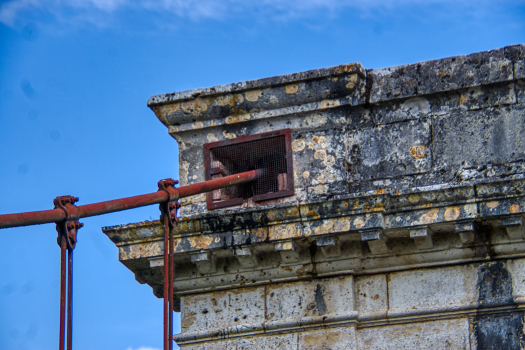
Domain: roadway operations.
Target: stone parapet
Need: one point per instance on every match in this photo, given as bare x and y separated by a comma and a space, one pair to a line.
405, 227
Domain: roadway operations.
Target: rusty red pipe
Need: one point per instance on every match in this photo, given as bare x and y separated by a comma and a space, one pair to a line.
87, 210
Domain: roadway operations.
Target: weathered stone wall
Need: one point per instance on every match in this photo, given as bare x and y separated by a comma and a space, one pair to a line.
406, 227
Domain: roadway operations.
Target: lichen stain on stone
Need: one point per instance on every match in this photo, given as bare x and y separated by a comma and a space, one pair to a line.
380, 191
200, 242
492, 204
452, 213
298, 145
306, 174
359, 222
195, 107
329, 161
313, 214
183, 172
320, 189
330, 103
293, 211
310, 145
229, 135
380, 206
253, 95
291, 89
413, 198
429, 217
418, 152
320, 154
333, 225
284, 231
318, 139
352, 80
224, 100
344, 68
188, 320
515, 208
197, 125
211, 137
238, 118
144, 250
463, 100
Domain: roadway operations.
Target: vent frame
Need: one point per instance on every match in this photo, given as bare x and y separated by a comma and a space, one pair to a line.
288, 179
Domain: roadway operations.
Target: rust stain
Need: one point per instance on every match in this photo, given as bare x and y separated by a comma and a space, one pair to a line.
452, 213
376, 297
381, 191
301, 271
286, 268
418, 152
291, 89
429, 217
515, 208
493, 204
463, 100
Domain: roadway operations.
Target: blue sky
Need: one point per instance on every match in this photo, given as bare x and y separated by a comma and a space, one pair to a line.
75, 76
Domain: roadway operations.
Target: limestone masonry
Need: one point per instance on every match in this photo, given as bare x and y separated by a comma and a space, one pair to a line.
405, 227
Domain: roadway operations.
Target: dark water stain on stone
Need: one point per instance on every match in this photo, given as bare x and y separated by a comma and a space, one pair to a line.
493, 331
319, 299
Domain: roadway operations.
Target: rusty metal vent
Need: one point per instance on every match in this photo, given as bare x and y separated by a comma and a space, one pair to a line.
269, 151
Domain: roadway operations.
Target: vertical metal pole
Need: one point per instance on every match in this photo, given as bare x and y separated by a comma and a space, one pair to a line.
170, 290
63, 246
166, 279
70, 299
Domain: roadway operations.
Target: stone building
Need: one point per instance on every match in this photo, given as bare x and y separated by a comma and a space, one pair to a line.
389, 216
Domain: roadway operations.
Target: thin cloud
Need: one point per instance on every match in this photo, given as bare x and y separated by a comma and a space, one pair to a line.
91, 11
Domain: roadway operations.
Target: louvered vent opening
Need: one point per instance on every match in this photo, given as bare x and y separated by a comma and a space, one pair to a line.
270, 152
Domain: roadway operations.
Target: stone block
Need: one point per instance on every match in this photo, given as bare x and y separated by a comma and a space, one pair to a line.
389, 150
431, 289
315, 298
372, 296
446, 334
516, 268
440, 75
341, 338
217, 310
471, 138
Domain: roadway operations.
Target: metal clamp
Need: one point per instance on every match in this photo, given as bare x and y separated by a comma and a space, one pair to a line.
171, 206
69, 226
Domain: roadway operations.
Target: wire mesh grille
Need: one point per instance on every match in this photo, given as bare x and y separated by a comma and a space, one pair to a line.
268, 154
